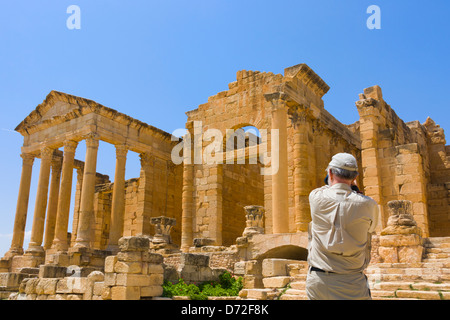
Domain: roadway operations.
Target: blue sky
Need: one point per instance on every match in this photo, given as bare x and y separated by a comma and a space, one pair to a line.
155, 60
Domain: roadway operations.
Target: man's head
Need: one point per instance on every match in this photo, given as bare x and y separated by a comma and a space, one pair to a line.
342, 168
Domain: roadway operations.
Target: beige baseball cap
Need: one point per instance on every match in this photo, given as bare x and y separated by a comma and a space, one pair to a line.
344, 161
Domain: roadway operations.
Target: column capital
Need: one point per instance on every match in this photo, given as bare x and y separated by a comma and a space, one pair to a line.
121, 151
70, 146
298, 115
47, 153
56, 164
147, 159
28, 158
92, 140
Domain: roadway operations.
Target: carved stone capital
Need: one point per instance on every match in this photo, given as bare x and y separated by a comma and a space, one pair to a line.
121, 151
92, 140
298, 115
56, 164
28, 158
147, 159
70, 146
254, 216
47, 153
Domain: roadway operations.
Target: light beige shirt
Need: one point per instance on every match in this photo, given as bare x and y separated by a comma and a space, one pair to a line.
339, 233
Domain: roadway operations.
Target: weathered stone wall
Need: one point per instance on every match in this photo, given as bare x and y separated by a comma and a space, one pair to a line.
165, 200
242, 186
313, 136
404, 161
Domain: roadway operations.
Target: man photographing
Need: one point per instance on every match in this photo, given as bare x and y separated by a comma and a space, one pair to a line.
340, 235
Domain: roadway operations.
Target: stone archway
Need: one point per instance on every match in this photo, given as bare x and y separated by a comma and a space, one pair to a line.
291, 252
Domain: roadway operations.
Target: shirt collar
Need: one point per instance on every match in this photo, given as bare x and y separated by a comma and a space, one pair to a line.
341, 186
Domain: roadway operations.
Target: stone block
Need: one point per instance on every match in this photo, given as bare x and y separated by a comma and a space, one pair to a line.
151, 257
201, 242
156, 279
128, 267
129, 279
134, 244
276, 282
30, 287
155, 268
253, 281
77, 285
129, 256
125, 293
110, 279
96, 276
62, 286
110, 262
106, 294
276, 267
388, 254
253, 267
200, 260
410, 254
400, 240
47, 286
11, 279
52, 271
151, 291
239, 268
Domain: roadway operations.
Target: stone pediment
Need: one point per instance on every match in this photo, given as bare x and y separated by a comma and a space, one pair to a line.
59, 107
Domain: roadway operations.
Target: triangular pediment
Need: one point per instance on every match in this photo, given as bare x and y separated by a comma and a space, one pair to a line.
57, 106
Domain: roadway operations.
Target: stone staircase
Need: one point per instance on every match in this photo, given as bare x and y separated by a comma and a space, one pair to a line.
428, 280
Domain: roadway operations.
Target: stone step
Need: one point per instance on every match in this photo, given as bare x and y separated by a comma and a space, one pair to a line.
298, 285
382, 294
443, 256
439, 249
437, 240
441, 263
423, 286
299, 277
258, 294
294, 292
423, 295
402, 277
294, 297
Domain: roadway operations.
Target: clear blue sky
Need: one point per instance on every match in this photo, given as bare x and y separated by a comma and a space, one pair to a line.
155, 60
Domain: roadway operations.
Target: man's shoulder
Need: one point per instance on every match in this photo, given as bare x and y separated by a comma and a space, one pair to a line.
365, 199
318, 190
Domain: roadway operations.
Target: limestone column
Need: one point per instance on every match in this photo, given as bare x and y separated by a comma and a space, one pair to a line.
145, 194
118, 199
188, 205
76, 209
22, 205
63, 209
301, 172
37, 231
280, 213
87, 193
52, 206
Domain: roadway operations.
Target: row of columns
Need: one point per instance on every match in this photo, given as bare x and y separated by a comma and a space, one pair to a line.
59, 195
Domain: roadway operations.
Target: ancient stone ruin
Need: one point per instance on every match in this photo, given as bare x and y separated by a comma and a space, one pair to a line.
246, 212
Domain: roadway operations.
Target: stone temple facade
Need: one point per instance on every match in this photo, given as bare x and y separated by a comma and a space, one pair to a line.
226, 211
